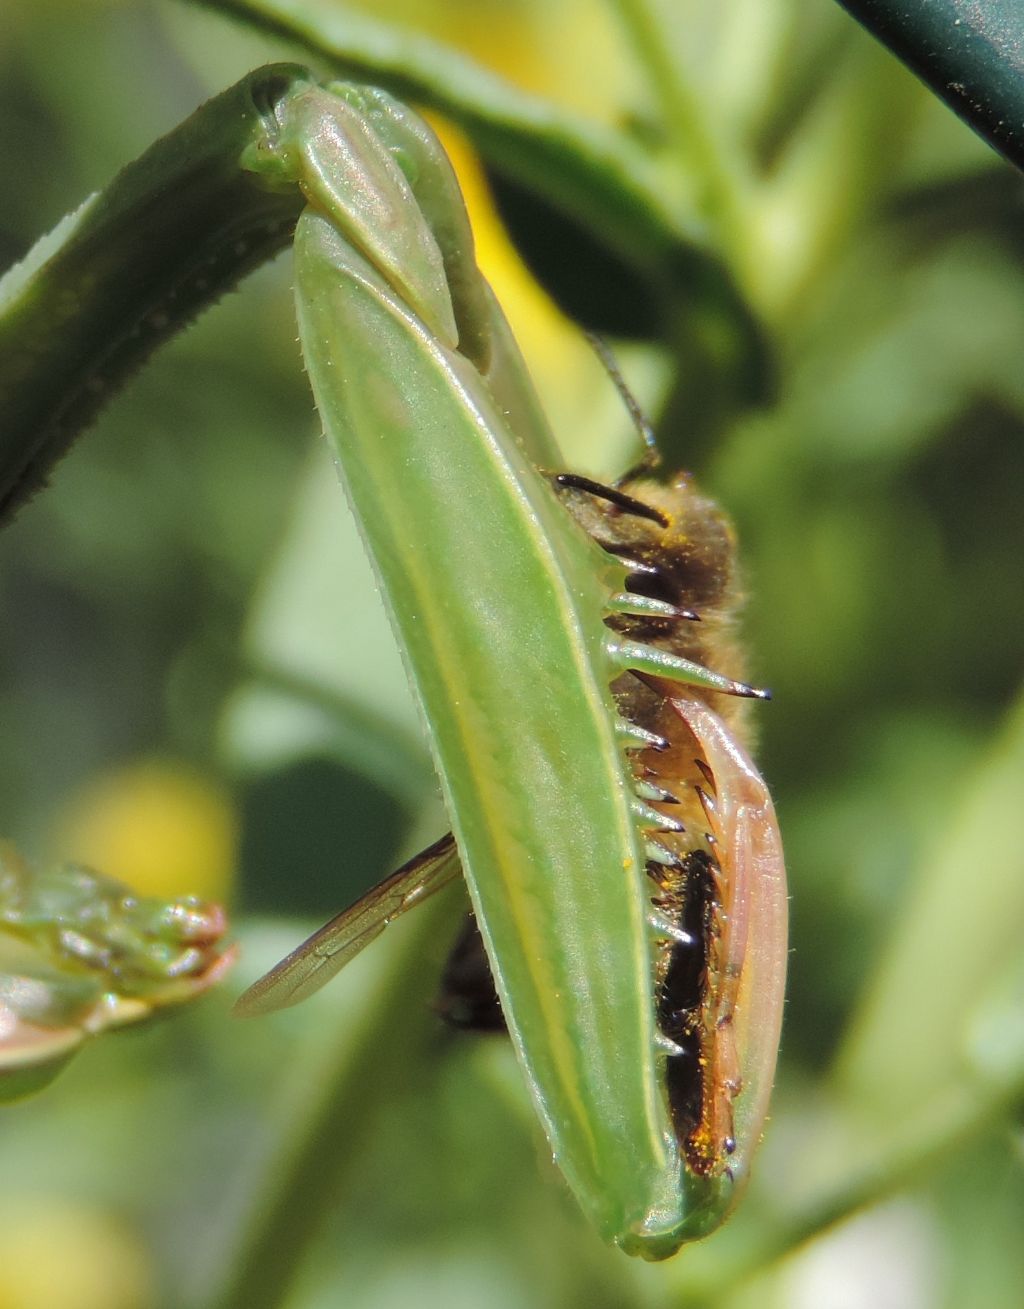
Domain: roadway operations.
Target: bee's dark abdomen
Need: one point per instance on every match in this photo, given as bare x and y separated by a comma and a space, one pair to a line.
682, 993
468, 999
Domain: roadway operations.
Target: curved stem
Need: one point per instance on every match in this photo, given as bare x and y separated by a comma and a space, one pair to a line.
950, 1123
89, 304
686, 121
971, 54
331, 1102
398, 761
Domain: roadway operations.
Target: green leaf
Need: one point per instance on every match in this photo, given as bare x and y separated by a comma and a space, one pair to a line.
949, 945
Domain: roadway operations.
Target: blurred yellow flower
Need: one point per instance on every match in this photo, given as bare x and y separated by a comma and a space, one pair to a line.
59, 1255
536, 322
526, 42
158, 826
576, 395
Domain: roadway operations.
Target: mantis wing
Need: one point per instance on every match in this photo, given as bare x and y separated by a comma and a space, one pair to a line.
312, 964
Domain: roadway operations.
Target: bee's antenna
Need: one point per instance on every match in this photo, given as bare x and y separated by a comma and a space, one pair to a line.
651, 458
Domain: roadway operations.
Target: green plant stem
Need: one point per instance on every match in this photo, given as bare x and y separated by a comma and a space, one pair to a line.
685, 119
949, 1124
335, 1092
398, 761
172, 232
944, 1128
971, 54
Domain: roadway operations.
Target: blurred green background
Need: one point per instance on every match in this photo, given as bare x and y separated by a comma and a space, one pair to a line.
198, 691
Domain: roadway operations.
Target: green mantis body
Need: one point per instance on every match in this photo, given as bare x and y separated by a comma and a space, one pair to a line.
499, 601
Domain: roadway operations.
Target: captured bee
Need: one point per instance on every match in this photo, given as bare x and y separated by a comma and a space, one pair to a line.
715, 868
719, 836
714, 871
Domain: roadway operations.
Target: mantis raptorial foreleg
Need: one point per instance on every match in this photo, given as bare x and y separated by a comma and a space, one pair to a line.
585, 886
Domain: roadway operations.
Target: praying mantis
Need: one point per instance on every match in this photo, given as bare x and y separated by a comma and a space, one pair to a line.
618, 845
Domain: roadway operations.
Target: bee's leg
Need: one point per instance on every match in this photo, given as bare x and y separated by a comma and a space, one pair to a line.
627, 503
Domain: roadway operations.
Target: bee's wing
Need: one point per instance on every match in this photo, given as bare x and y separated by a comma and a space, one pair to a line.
327, 951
